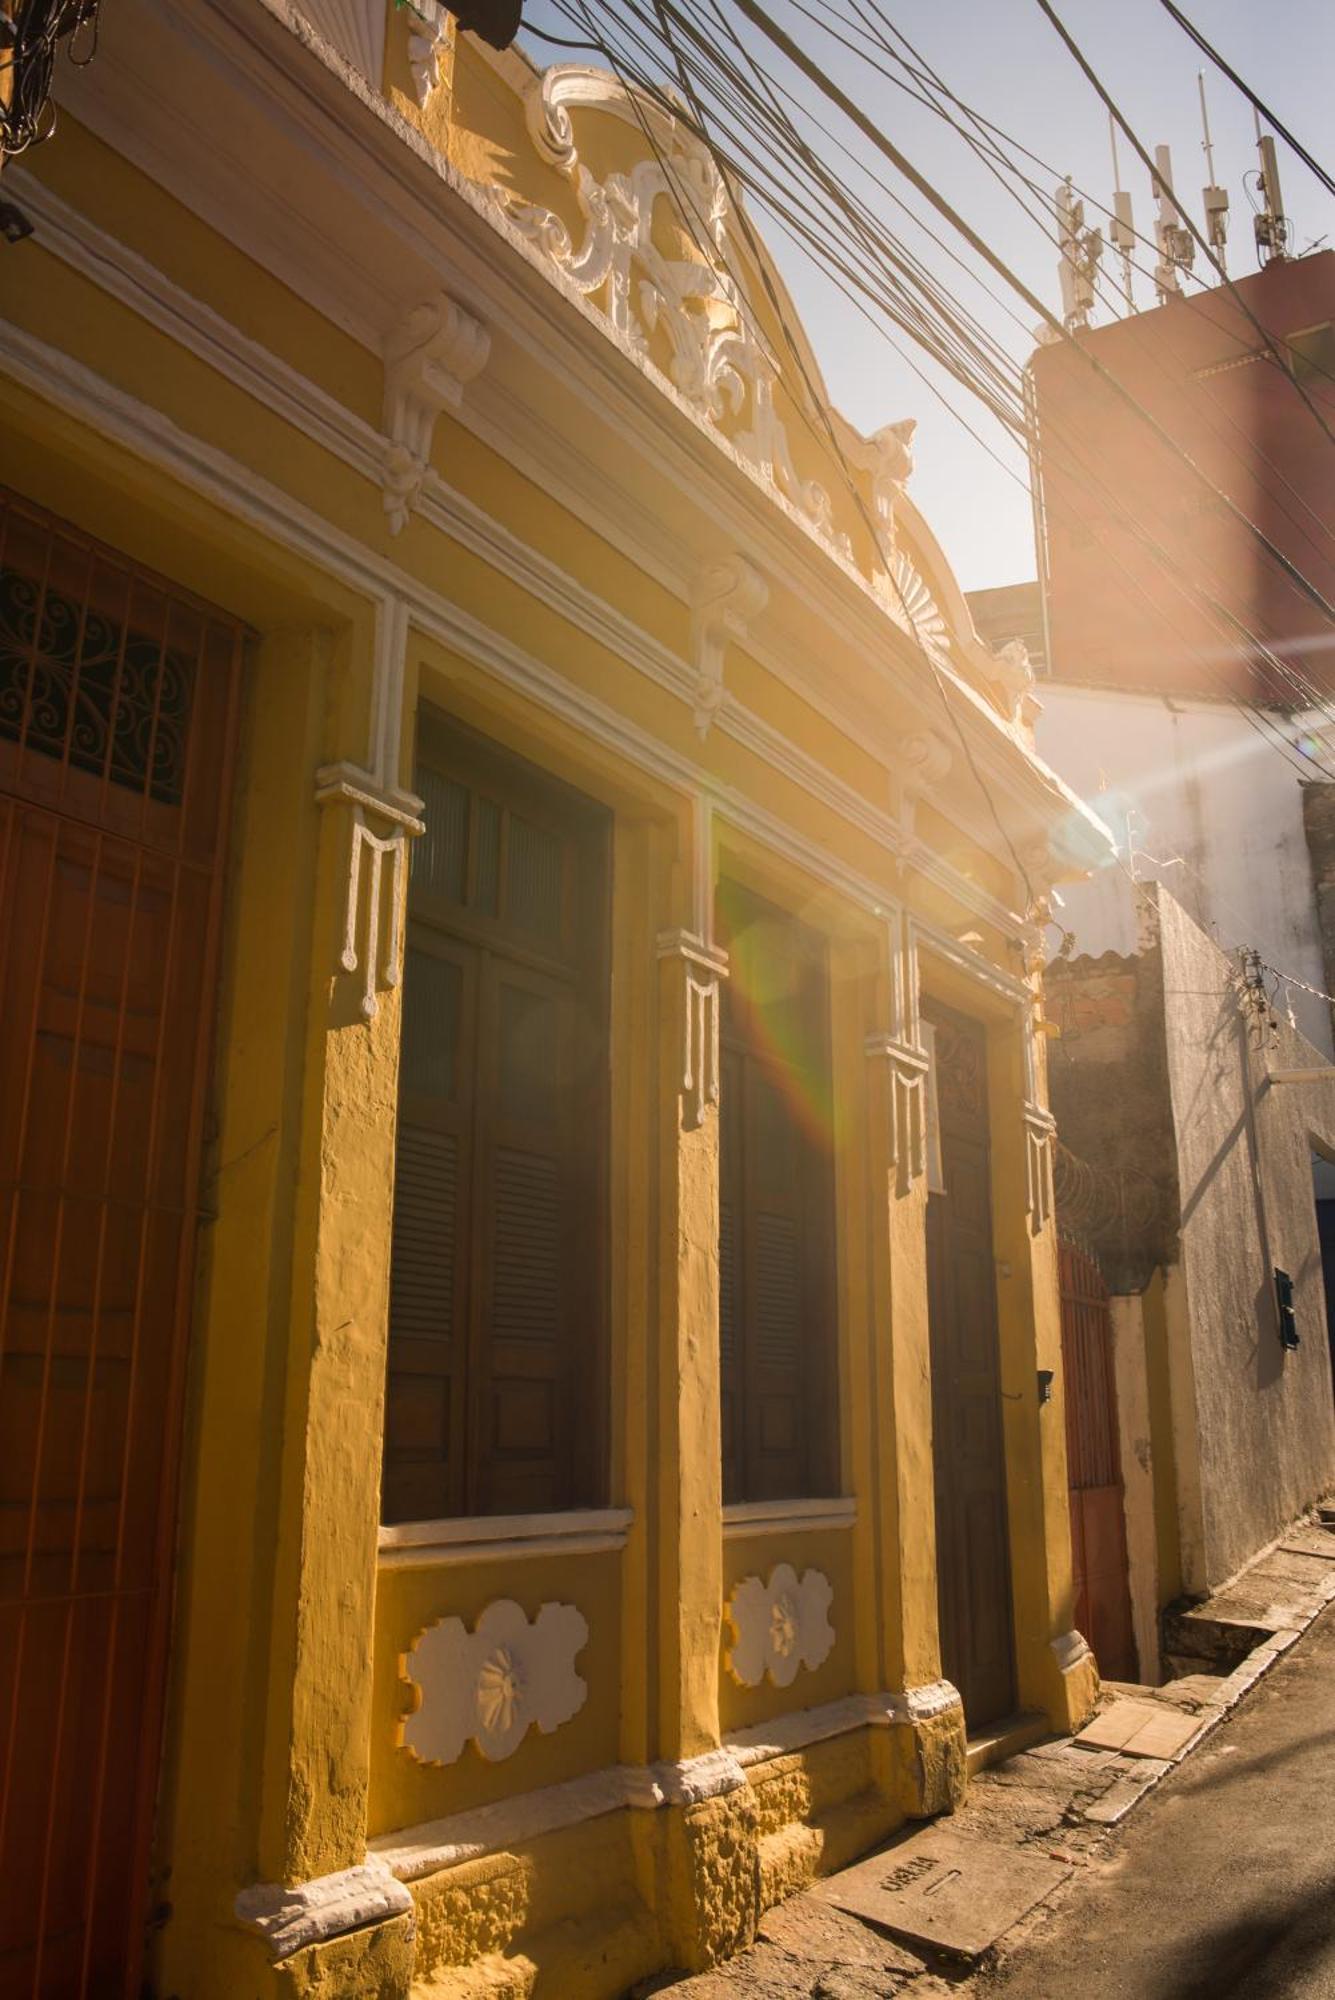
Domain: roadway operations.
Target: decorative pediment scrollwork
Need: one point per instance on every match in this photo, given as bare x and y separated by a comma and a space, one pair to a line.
718, 358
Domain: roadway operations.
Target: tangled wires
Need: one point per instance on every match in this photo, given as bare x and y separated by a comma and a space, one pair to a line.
29, 33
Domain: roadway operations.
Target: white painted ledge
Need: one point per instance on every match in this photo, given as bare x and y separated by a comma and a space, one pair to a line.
787, 1517
802, 1726
290, 1919
411, 1852
787, 1733
502, 1537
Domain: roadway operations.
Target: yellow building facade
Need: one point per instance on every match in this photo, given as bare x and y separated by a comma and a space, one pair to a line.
616, 1077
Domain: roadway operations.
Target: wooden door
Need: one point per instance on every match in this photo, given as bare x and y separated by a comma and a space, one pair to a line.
117, 706
972, 1540
1094, 1467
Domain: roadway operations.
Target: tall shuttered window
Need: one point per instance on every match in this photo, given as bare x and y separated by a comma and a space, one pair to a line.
777, 1321
495, 1389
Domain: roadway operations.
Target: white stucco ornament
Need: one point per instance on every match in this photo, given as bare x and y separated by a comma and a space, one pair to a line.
780, 1626
492, 1684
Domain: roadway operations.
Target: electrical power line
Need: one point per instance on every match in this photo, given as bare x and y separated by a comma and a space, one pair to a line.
1257, 104
862, 222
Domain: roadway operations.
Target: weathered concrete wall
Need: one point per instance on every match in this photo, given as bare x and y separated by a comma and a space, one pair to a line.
1319, 828
1254, 1425
1135, 1443
1108, 1086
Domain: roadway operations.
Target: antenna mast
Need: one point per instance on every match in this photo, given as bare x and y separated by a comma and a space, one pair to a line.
1214, 196
1271, 225
1176, 245
1081, 250
1123, 228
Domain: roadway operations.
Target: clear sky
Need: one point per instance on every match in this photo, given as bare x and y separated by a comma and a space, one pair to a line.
1003, 58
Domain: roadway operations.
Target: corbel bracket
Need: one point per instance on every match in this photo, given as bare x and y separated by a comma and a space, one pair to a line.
430, 358
728, 596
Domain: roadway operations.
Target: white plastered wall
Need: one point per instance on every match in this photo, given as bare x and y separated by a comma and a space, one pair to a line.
1201, 781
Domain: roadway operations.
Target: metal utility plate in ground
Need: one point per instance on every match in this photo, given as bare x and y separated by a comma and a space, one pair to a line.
1140, 1729
945, 1890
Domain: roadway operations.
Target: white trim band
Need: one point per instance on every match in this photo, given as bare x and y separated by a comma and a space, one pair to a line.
787, 1517
503, 1537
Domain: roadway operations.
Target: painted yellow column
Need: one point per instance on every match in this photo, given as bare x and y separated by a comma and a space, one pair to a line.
704, 1833
275, 1662
1055, 1670
928, 1736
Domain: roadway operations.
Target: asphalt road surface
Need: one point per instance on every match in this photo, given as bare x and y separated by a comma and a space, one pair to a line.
1222, 1886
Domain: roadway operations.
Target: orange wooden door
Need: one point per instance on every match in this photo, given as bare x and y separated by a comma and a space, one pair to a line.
1094, 1467
117, 708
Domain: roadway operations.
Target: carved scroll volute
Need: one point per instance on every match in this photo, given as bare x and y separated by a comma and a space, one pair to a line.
699, 968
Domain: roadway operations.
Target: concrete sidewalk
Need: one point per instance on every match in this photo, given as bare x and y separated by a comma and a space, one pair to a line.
951, 1904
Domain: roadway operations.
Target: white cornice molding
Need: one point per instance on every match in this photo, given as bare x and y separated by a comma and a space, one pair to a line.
303, 404
48, 372
371, 152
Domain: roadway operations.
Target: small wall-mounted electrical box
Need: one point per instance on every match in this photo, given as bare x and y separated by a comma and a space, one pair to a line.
1288, 1318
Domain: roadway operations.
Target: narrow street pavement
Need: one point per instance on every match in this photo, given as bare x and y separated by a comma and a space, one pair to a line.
1222, 1885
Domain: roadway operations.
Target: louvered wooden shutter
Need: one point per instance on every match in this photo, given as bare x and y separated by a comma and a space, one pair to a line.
424, 1472
731, 1213
777, 1328
777, 1287
496, 1341
531, 1178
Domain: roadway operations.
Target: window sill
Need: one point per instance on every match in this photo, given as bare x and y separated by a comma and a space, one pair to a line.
503, 1537
747, 1518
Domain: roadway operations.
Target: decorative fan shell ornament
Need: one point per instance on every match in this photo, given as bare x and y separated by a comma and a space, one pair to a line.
356, 28
912, 606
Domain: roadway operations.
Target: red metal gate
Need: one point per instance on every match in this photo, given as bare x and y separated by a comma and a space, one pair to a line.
1094, 1470
118, 699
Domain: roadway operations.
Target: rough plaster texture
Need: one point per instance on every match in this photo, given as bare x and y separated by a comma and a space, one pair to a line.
713, 1890
1176, 1086
1262, 1419
929, 1761
375, 1964
1319, 828
1108, 1086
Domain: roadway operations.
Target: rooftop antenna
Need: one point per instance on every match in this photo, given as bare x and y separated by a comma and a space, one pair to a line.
1271, 224
1176, 247
1214, 196
1081, 250
1123, 228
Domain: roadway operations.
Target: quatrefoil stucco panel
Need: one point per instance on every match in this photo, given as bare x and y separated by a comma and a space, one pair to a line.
494, 1683
779, 1626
